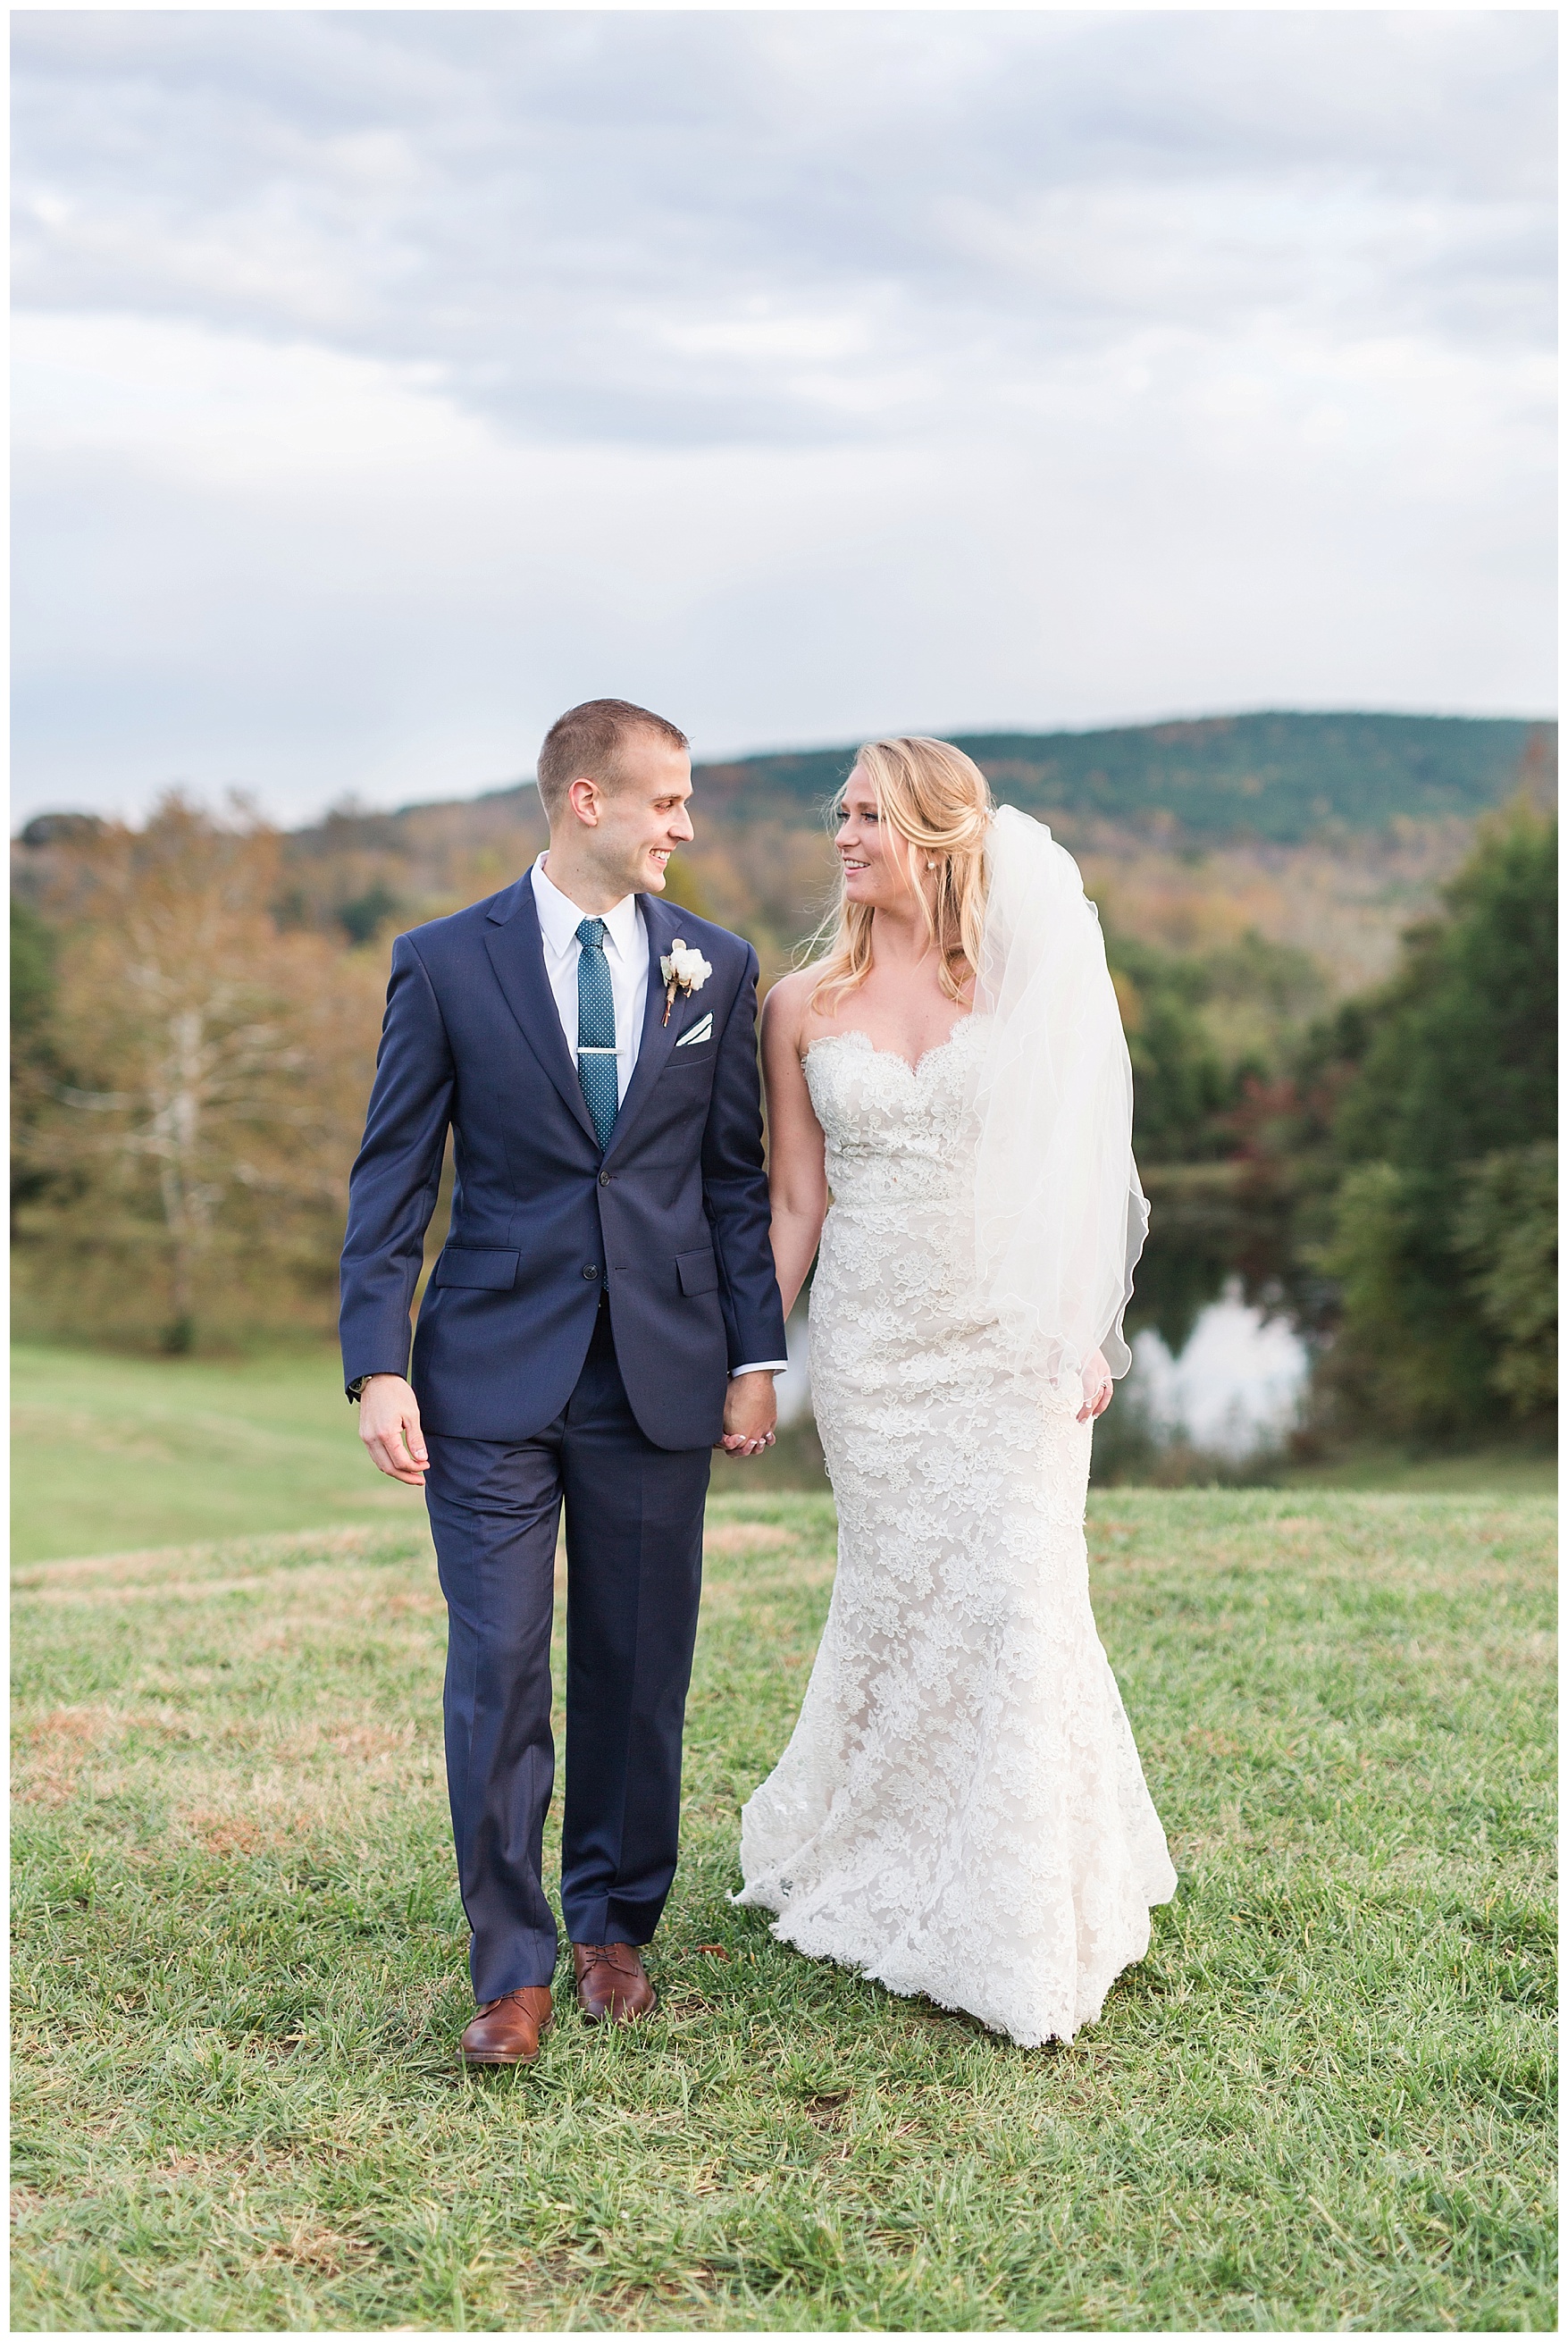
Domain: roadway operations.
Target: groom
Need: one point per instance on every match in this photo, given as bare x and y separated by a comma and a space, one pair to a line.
604, 1313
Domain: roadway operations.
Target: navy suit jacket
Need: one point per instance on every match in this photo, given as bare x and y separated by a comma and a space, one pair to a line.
671, 1221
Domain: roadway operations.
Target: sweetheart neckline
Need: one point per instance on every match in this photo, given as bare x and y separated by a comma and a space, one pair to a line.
857, 1033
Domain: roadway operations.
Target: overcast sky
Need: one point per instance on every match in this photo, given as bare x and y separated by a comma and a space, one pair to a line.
387, 383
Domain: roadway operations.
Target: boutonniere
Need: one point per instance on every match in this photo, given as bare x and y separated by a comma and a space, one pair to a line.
683, 970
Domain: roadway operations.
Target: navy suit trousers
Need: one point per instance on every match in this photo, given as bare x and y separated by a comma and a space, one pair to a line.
634, 1561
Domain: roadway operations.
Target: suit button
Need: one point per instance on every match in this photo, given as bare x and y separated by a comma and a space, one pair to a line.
603, 1178
590, 1272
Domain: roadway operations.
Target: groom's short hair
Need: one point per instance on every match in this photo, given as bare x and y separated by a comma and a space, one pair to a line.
585, 744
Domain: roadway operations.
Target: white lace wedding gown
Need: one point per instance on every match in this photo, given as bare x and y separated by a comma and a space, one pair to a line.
960, 1811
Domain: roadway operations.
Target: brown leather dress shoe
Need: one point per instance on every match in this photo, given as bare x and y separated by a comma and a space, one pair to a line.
506, 2031
612, 1983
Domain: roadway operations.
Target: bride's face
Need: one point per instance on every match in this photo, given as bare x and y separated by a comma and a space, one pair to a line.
874, 858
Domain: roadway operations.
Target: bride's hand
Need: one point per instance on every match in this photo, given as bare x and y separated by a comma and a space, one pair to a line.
1098, 1388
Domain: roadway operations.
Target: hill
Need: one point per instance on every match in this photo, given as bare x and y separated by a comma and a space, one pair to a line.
1326, 833
1276, 777
1323, 832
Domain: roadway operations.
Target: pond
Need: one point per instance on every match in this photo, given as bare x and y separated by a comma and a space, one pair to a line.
1220, 1330
1235, 1386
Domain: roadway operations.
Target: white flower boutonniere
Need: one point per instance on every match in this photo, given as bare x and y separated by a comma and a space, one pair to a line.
683, 970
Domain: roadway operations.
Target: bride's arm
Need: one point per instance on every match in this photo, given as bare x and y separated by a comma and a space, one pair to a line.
797, 1175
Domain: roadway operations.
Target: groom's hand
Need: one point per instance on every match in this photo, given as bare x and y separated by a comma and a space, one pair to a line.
751, 1411
389, 1426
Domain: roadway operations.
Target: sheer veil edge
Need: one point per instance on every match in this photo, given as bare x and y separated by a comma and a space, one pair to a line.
1060, 1216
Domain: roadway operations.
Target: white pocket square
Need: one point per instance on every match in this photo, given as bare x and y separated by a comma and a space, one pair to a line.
702, 1031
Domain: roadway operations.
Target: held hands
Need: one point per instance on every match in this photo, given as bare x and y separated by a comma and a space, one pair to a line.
1099, 1390
751, 1411
389, 1423
389, 1426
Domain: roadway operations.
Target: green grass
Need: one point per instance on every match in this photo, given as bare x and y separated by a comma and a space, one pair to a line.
108, 1452
1517, 1470
1324, 2100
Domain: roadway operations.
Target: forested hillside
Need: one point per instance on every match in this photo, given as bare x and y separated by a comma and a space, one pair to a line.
1321, 832
1286, 779
1283, 778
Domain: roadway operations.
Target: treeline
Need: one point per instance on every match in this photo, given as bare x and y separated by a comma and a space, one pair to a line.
189, 1072
1384, 1166
1411, 1141
196, 1003
1281, 775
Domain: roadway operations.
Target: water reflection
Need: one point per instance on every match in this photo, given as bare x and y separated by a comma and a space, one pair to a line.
1220, 1325
1235, 1386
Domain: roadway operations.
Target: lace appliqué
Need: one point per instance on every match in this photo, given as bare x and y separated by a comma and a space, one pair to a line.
961, 1811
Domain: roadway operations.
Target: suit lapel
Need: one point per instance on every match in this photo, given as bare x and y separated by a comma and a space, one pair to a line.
516, 952
662, 924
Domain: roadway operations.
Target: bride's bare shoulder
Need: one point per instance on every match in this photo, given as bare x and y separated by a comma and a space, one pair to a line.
788, 1000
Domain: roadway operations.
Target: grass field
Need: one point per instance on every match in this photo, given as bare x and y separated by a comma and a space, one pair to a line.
110, 1452
1516, 1470
1323, 2101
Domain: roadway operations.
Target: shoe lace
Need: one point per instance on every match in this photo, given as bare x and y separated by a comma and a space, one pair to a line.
597, 1955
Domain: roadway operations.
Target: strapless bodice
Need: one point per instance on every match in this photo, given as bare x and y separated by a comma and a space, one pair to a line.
894, 1131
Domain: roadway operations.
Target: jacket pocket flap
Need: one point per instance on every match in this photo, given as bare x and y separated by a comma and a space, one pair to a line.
495, 1270
698, 1271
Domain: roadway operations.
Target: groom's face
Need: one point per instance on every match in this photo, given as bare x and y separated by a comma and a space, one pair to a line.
642, 815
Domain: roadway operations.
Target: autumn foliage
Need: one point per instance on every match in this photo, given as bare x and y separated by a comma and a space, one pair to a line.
185, 1150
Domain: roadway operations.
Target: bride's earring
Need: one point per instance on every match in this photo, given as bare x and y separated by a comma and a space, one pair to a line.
929, 863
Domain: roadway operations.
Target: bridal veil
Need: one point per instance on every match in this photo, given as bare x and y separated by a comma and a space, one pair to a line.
1060, 1217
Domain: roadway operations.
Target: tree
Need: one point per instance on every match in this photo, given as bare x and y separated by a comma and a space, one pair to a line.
1179, 1083
1505, 1228
1444, 1133
35, 1056
200, 1145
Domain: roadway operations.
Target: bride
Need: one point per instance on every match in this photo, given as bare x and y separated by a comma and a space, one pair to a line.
961, 1811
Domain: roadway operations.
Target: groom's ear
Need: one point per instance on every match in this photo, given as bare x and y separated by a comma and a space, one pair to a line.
586, 799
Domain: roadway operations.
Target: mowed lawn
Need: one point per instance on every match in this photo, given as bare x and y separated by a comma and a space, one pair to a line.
109, 1453
1325, 2100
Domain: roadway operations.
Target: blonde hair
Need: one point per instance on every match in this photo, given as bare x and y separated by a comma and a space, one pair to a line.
937, 800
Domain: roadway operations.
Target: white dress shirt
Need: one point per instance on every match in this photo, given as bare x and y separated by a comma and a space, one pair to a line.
626, 955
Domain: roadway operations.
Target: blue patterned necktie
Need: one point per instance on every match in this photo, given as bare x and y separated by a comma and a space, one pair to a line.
596, 1031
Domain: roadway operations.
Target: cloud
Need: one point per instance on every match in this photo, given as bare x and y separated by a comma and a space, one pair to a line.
680, 227
407, 368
